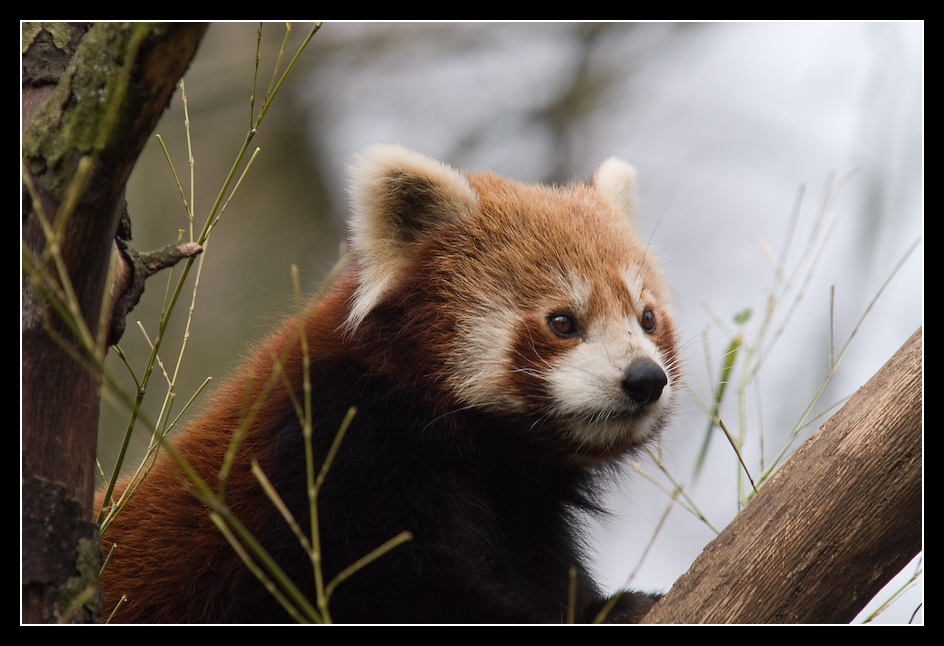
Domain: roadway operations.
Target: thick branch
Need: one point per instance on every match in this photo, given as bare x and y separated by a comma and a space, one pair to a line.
832, 527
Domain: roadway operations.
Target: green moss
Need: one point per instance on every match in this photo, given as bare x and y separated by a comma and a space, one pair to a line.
81, 591
58, 30
92, 105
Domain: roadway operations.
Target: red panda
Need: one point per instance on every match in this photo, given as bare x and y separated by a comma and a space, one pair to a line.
502, 344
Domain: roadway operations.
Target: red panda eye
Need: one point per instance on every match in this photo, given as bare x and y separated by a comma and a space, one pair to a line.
562, 325
648, 321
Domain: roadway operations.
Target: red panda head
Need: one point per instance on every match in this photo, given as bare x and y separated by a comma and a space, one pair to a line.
531, 301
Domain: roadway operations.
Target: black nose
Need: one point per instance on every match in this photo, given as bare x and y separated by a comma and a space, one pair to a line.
644, 381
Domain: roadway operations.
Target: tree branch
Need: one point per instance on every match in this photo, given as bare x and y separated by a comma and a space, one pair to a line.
831, 528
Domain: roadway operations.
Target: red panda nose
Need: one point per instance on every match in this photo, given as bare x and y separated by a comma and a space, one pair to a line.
644, 381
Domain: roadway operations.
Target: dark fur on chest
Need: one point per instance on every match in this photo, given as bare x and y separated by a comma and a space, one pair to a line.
491, 514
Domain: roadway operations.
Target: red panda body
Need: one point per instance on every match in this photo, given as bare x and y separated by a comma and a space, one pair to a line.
502, 344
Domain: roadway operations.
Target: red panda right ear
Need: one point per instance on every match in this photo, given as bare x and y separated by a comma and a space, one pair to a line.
616, 181
400, 198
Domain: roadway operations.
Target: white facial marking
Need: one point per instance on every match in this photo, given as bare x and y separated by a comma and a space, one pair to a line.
586, 386
586, 383
481, 359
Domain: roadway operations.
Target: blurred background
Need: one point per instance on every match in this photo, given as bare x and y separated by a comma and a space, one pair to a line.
740, 133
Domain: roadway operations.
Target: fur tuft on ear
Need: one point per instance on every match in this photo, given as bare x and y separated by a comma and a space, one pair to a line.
616, 181
400, 198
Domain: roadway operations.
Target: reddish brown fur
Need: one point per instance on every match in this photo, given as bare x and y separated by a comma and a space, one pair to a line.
154, 559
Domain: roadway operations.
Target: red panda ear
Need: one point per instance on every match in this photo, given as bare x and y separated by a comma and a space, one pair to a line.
400, 198
616, 181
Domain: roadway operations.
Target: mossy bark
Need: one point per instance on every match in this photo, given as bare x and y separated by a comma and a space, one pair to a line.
79, 148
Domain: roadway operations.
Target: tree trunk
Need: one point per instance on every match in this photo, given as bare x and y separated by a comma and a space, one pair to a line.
87, 116
831, 528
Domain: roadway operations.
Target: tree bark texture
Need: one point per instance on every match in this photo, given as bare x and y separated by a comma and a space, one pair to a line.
82, 137
831, 528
